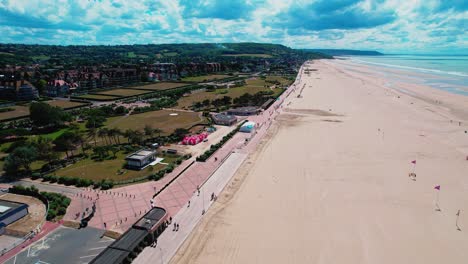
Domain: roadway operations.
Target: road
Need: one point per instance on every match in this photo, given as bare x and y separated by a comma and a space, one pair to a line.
44, 187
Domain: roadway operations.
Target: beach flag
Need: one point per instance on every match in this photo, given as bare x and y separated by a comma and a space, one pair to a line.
414, 161
437, 187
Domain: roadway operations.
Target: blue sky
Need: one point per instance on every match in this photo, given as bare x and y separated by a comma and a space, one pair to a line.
392, 26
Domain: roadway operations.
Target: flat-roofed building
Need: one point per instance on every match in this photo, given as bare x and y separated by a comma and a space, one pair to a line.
11, 212
224, 119
244, 111
140, 159
144, 232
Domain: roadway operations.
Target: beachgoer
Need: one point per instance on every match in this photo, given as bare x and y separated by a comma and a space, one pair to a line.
188, 204
175, 226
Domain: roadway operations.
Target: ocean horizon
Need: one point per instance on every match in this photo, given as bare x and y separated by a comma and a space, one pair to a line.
444, 72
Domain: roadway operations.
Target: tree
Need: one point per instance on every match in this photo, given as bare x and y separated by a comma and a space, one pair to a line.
20, 158
149, 132
45, 149
92, 132
102, 133
206, 102
114, 150
40, 85
116, 133
43, 115
67, 142
179, 133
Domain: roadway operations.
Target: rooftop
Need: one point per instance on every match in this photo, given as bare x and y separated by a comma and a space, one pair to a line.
151, 218
141, 154
7, 206
244, 109
224, 117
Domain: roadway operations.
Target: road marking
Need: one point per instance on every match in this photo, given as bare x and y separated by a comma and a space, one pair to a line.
108, 240
96, 248
89, 256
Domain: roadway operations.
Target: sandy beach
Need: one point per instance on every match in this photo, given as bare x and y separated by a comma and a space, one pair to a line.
329, 183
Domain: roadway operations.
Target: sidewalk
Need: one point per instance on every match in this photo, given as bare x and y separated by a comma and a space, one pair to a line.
188, 217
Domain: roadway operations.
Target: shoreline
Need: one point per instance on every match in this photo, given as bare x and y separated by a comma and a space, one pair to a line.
258, 187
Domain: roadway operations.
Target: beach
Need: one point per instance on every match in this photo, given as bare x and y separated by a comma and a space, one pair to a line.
329, 182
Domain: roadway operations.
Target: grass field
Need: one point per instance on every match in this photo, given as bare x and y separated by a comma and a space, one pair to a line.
109, 169
249, 55
205, 78
156, 119
160, 86
123, 92
252, 86
98, 97
20, 110
64, 104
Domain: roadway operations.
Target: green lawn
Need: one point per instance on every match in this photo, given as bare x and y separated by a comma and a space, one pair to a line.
161, 119
109, 169
123, 92
159, 86
19, 110
98, 97
205, 78
252, 86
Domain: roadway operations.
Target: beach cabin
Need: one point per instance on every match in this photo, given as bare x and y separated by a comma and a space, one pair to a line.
140, 159
247, 127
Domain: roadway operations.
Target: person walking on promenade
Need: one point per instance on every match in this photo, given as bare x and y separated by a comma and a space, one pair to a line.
175, 226
188, 205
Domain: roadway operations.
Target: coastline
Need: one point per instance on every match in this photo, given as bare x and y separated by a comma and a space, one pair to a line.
347, 190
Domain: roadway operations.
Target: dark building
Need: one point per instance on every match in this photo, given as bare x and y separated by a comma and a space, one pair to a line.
18, 91
144, 232
244, 111
224, 119
11, 212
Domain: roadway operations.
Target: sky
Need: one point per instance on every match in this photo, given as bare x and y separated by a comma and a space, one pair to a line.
390, 26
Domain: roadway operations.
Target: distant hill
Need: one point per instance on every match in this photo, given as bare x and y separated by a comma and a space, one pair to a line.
342, 52
91, 55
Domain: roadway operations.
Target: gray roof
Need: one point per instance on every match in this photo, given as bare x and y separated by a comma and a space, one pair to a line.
7, 206
130, 239
140, 155
111, 255
224, 117
151, 218
244, 109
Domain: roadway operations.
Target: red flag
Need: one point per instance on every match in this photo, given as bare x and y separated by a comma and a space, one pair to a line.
414, 161
437, 187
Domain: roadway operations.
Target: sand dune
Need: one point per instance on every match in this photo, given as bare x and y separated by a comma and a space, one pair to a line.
330, 183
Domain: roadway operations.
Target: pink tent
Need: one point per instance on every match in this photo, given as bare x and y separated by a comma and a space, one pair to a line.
194, 139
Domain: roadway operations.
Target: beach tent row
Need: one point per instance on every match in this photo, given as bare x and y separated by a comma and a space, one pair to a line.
194, 139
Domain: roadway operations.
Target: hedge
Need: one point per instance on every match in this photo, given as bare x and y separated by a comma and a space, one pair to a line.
215, 147
56, 203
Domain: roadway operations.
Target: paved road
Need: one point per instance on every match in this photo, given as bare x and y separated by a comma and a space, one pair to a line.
44, 187
64, 245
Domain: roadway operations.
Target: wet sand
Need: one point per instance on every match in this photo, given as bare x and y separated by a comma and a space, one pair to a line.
330, 184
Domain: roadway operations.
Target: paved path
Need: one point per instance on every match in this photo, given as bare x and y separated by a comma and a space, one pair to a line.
188, 217
45, 187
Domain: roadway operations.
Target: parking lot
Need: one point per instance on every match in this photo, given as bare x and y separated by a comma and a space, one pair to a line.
64, 245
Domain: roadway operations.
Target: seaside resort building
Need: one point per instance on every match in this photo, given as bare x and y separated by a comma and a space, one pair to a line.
224, 119
127, 247
140, 159
11, 212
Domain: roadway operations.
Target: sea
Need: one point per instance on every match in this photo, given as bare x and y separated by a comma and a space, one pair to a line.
444, 72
